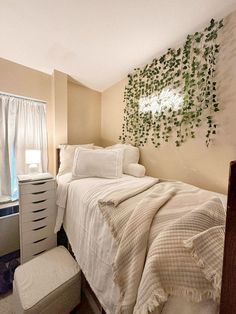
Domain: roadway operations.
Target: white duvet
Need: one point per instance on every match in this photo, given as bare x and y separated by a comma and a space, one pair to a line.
93, 244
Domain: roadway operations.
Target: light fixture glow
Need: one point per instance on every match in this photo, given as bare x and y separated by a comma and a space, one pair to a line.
33, 158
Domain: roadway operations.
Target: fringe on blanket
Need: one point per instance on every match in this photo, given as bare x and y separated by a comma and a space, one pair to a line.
108, 220
159, 297
210, 275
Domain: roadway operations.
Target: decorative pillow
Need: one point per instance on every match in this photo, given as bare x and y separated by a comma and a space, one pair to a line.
207, 250
131, 154
67, 153
97, 147
97, 163
135, 170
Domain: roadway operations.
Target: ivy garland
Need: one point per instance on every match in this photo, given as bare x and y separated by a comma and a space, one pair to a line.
186, 73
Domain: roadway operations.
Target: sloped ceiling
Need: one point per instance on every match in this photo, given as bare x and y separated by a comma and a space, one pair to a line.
97, 42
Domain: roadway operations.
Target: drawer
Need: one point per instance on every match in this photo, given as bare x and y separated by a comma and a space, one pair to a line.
37, 207
31, 250
38, 214
36, 197
33, 187
38, 223
33, 236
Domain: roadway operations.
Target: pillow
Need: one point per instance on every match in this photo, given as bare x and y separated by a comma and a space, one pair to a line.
97, 163
131, 154
207, 249
67, 153
98, 147
135, 170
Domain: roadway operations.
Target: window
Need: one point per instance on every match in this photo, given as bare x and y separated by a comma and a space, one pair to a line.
22, 126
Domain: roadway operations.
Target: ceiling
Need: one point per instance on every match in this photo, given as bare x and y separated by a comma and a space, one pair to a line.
97, 42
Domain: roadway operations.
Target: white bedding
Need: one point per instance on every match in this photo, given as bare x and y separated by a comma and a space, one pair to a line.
94, 246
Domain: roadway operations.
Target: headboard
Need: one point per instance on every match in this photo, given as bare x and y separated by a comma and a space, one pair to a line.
57, 159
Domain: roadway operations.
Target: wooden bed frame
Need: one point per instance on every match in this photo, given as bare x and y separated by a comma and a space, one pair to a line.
228, 287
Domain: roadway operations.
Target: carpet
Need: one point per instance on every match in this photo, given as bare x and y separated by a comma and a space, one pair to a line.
6, 303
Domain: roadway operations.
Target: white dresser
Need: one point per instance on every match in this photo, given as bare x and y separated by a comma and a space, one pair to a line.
37, 216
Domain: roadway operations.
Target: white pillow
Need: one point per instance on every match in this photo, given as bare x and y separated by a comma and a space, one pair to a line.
131, 155
136, 170
67, 153
97, 163
98, 147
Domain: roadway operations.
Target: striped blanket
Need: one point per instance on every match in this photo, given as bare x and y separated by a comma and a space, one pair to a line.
150, 227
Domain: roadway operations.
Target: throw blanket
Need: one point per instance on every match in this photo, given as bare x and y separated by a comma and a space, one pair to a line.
114, 186
151, 261
61, 199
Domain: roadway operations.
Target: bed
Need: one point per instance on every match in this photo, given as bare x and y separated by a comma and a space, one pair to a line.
95, 239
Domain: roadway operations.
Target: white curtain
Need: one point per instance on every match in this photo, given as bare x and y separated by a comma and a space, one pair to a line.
22, 126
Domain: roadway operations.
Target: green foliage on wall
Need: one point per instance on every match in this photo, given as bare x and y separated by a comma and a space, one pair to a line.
174, 95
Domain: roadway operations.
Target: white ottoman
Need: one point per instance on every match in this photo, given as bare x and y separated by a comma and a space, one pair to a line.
49, 283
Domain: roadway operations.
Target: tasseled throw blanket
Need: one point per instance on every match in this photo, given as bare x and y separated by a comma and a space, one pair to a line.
150, 228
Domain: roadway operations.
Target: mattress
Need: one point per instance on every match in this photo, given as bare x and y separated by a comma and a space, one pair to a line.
95, 249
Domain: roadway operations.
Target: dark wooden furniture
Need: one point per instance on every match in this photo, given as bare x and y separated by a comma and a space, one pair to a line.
228, 288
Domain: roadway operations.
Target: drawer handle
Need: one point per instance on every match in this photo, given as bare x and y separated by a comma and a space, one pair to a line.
39, 228
40, 183
36, 202
39, 253
39, 210
40, 240
41, 192
39, 219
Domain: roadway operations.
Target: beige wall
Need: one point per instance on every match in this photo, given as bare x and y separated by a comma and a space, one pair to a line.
84, 115
73, 111
59, 97
193, 162
23, 81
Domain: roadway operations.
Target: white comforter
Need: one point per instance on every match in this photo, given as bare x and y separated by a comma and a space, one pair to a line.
93, 244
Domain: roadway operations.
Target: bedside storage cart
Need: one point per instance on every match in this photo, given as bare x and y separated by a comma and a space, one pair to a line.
37, 216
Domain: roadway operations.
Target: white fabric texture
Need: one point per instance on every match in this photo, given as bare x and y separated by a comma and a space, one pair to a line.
180, 305
22, 126
98, 147
42, 275
135, 170
65, 180
207, 250
99, 163
67, 153
131, 155
125, 192
141, 245
61, 198
93, 244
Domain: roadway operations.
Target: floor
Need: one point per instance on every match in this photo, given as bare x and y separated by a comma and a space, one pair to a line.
84, 307
6, 303
7, 300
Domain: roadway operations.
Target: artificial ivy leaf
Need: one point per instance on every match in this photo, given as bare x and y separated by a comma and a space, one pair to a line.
195, 79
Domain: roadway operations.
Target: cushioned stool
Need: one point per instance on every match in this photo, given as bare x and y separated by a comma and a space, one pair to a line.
49, 283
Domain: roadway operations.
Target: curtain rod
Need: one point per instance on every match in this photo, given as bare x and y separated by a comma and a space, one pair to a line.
22, 97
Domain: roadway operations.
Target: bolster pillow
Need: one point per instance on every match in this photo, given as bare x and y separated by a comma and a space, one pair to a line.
135, 170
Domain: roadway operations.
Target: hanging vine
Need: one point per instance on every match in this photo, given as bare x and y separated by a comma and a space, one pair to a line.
175, 94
